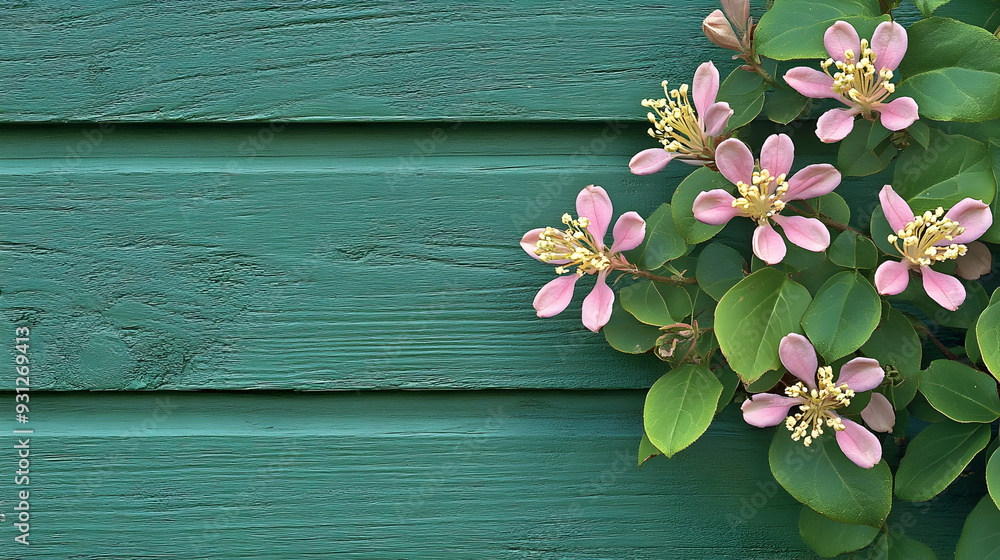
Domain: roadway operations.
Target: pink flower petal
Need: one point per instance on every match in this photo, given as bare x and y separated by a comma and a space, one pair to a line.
597, 304
649, 161
974, 215
942, 288
630, 230
898, 113
860, 445
716, 118
529, 242
808, 233
555, 296
767, 409
811, 82
812, 181
889, 44
593, 203
897, 211
734, 161
704, 87
840, 37
835, 124
892, 277
719, 31
768, 245
976, 262
861, 374
777, 153
879, 414
714, 207
798, 356
738, 12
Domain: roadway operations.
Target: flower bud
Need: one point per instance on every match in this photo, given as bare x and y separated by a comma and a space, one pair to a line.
738, 12
719, 32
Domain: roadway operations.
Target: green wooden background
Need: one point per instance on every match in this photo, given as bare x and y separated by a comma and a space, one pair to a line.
267, 253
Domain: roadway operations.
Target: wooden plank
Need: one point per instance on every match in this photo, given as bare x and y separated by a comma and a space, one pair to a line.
309, 257
402, 475
341, 61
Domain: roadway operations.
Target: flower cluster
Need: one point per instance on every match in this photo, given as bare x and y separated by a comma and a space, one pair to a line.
727, 326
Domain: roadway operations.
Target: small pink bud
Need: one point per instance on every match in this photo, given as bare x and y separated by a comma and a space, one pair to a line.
720, 32
879, 414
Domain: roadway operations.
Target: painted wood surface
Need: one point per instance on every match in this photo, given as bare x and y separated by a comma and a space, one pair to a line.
392, 60
417, 475
310, 257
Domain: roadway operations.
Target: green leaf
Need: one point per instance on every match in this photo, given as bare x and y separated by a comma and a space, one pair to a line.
626, 334
765, 382
702, 179
960, 392
923, 410
980, 538
927, 7
896, 546
988, 335
895, 343
794, 28
952, 168
744, 91
823, 478
936, 456
656, 303
730, 381
784, 104
833, 206
680, 406
921, 133
830, 538
753, 316
993, 476
646, 450
851, 250
992, 235
952, 70
720, 267
881, 230
661, 244
862, 152
843, 315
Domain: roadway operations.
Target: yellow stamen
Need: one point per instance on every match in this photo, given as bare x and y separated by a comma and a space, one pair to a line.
675, 124
921, 236
807, 425
858, 80
574, 244
757, 200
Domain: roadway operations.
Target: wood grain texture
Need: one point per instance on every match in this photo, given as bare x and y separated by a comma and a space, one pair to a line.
322, 60
307, 257
499, 475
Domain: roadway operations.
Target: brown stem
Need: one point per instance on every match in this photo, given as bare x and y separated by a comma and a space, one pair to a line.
675, 280
944, 349
826, 220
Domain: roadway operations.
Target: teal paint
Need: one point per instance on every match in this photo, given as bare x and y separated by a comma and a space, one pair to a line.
485, 474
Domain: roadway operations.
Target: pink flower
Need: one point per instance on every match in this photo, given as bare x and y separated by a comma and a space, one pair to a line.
729, 30
932, 237
581, 245
763, 195
862, 81
817, 396
685, 136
